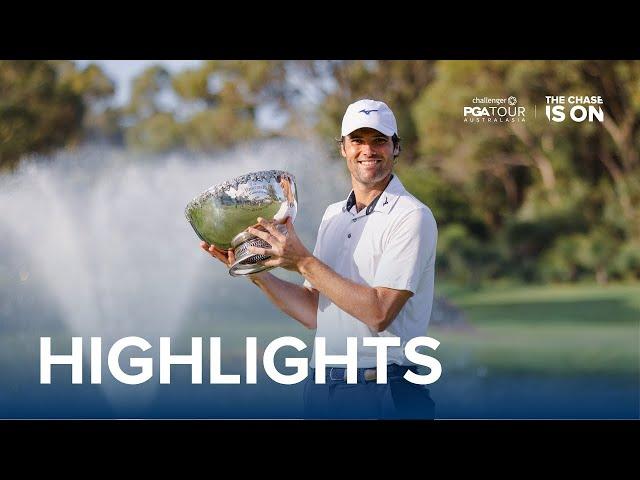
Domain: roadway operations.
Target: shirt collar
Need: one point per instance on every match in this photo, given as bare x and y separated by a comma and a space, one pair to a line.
383, 202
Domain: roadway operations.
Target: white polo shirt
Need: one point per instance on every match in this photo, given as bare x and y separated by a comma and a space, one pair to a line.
391, 243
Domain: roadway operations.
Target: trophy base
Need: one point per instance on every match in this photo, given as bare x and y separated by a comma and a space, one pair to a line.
246, 262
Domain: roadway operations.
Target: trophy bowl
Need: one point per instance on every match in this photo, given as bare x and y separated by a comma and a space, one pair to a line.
221, 214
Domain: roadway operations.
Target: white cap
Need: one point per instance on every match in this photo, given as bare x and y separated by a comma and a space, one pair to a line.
369, 114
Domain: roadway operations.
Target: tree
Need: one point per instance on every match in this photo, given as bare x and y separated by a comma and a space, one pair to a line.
396, 82
536, 181
224, 98
619, 82
148, 125
528, 157
38, 111
145, 92
156, 133
219, 103
101, 120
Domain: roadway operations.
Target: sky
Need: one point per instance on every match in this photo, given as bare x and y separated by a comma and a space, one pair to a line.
123, 71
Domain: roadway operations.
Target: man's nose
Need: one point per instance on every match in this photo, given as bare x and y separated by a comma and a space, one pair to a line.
368, 150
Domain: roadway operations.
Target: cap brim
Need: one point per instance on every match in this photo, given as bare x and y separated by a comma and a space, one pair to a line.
385, 131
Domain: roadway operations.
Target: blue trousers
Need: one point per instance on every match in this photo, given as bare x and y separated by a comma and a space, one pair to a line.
396, 399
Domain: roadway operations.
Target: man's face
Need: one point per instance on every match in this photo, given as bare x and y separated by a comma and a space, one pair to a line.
369, 155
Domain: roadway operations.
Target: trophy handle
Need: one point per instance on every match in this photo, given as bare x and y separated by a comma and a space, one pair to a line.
246, 262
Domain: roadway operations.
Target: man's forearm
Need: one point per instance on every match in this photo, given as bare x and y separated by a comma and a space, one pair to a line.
360, 301
296, 301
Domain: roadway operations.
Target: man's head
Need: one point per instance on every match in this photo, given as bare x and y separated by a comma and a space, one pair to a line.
369, 140
369, 113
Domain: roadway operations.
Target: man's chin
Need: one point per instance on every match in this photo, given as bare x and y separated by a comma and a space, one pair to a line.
372, 179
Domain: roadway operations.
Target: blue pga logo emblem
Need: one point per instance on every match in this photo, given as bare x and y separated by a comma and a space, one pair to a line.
580, 108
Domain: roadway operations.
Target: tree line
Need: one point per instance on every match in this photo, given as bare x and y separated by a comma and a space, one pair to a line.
531, 200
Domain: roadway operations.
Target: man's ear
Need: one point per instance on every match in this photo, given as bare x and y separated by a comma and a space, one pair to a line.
343, 152
396, 150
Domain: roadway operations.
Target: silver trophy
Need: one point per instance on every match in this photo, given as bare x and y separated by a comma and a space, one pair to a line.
221, 214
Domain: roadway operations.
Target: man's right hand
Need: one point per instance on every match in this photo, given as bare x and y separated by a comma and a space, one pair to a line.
225, 256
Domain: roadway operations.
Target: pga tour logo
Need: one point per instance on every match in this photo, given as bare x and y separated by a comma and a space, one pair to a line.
494, 110
581, 108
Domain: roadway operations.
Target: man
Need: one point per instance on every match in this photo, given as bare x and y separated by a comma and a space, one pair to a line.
371, 274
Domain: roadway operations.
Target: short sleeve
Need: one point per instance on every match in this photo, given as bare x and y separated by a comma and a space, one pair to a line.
409, 252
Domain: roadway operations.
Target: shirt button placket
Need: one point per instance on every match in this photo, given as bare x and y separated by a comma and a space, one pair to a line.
353, 220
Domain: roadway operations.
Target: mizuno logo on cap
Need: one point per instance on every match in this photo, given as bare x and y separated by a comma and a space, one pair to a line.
367, 112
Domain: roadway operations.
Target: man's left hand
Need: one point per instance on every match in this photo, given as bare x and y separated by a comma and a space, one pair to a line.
287, 251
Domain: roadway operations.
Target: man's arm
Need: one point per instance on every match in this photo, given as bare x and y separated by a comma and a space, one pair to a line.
299, 302
377, 307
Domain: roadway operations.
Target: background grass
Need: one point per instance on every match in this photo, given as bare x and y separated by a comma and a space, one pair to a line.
550, 329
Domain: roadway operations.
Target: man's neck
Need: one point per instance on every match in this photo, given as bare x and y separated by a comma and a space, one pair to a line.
365, 194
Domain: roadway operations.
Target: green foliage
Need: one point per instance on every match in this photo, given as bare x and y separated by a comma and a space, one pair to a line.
145, 92
531, 200
91, 82
463, 258
560, 262
395, 81
529, 238
101, 121
193, 85
449, 205
217, 128
223, 97
626, 264
533, 183
156, 133
38, 111
596, 254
